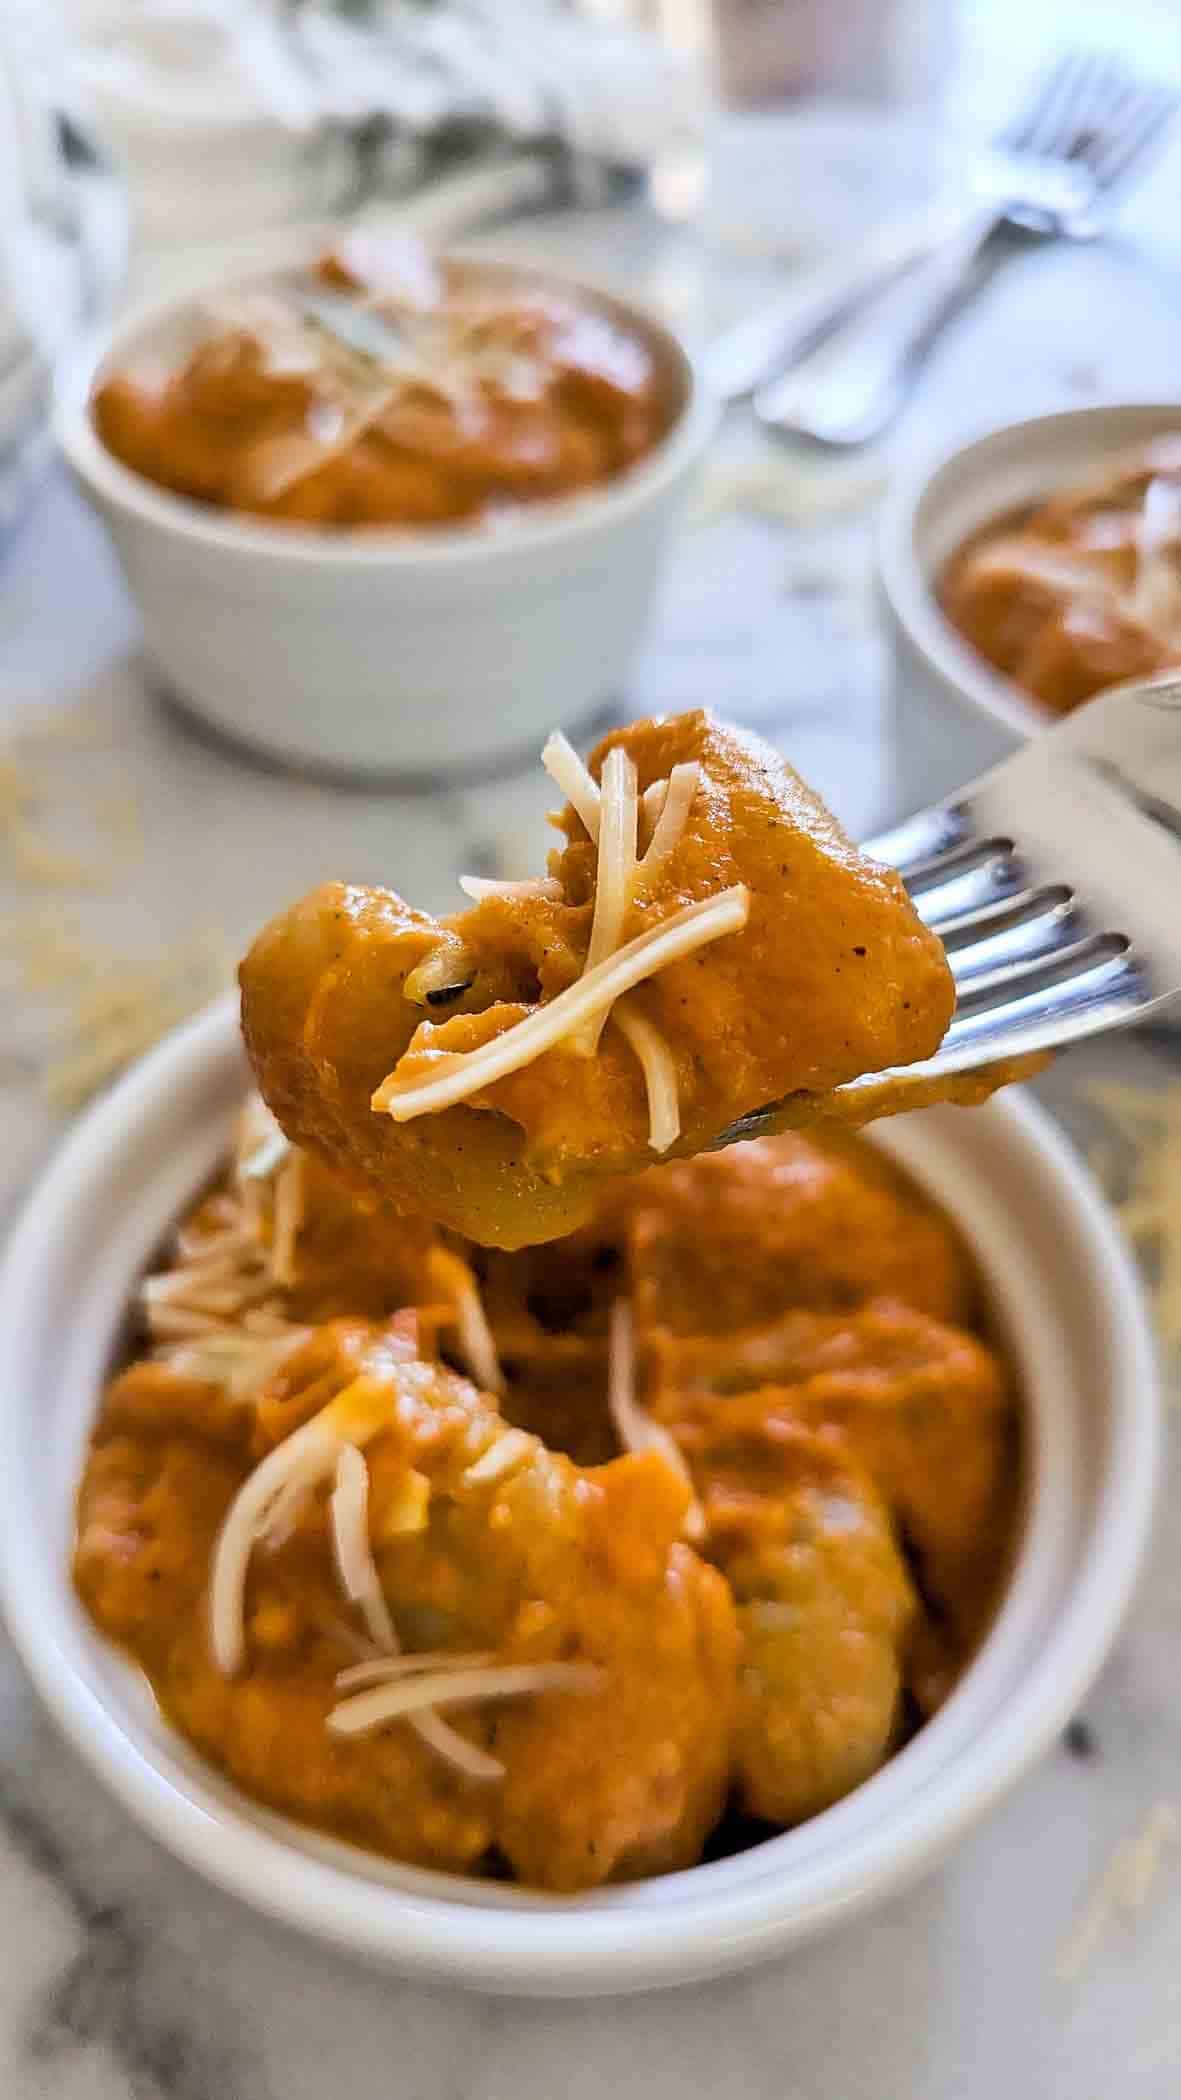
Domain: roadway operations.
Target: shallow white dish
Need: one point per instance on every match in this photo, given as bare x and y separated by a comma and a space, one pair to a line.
391, 651
954, 714
1066, 1297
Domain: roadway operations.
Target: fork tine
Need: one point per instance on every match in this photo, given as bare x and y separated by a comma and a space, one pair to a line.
1017, 135
1062, 1005
1140, 136
915, 844
999, 879
1094, 118
1062, 109
1053, 925
1107, 89
1012, 916
1012, 981
1087, 1002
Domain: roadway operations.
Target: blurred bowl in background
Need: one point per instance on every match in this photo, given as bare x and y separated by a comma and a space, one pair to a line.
955, 715
389, 651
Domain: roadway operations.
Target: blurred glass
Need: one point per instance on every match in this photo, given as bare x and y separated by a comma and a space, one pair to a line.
62, 240
769, 50
896, 51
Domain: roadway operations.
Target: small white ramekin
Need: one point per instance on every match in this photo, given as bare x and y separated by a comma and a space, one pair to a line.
391, 652
954, 714
1066, 1298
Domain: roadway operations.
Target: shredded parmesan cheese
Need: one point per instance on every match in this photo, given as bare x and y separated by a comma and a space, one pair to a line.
451, 1274
261, 1146
784, 493
214, 1314
390, 1702
118, 1008
1122, 1888
287, 461
308, 1456
652, 801
618, 820
1155, 598
359, 1575
633, 1425
660, 1073
453, 1748
478, 887
503, 1456
465, 1072
567, 771
354, 1554
389, 1669
239, 1363
289, 1203
680, 789
284, 1514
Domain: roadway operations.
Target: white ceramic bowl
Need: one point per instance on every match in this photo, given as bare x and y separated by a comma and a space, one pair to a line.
387, 651
955, 715
1067, 1299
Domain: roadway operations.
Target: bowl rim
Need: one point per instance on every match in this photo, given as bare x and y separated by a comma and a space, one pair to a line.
562, 518
703, 1921
963, 674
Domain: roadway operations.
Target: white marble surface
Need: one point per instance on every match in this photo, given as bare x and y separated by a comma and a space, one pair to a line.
122, 1976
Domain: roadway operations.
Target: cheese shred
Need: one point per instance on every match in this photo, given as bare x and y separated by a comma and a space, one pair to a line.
450, 1274
310, 1455
567, 771
388, 1669
1144, 1182
669, 826
477, 887
354, 1553
660, 1073
463, 1073
633, 1424
618, 821
370, 1710
1121, 1890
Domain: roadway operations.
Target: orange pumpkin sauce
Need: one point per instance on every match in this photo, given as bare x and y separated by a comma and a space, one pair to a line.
809, 1333
1083, 591
388, 390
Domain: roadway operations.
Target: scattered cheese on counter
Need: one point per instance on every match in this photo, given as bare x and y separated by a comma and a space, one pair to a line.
1142, 1175
1121, 1890
86, 1009
784, 491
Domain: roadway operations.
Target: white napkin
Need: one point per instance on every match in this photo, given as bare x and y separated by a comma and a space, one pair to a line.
229, 116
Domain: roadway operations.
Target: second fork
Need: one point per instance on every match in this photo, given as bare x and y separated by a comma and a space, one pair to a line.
1086, 134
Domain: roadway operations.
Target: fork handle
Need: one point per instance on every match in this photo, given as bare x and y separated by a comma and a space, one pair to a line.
856, 384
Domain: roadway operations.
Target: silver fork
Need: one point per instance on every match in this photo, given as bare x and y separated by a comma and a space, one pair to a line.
1054, 882
1059, 170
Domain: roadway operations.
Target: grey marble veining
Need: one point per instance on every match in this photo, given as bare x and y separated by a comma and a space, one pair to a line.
122, 1975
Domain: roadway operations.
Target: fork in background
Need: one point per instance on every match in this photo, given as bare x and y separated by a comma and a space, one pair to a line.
1057, 170
1054, 883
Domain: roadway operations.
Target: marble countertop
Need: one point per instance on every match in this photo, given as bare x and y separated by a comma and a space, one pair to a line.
123, 1977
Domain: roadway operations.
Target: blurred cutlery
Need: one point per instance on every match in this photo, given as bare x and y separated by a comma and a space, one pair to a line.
1057, 171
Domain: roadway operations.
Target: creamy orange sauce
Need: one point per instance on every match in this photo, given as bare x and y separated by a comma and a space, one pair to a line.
1083, 591
386, 389
809, 1330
